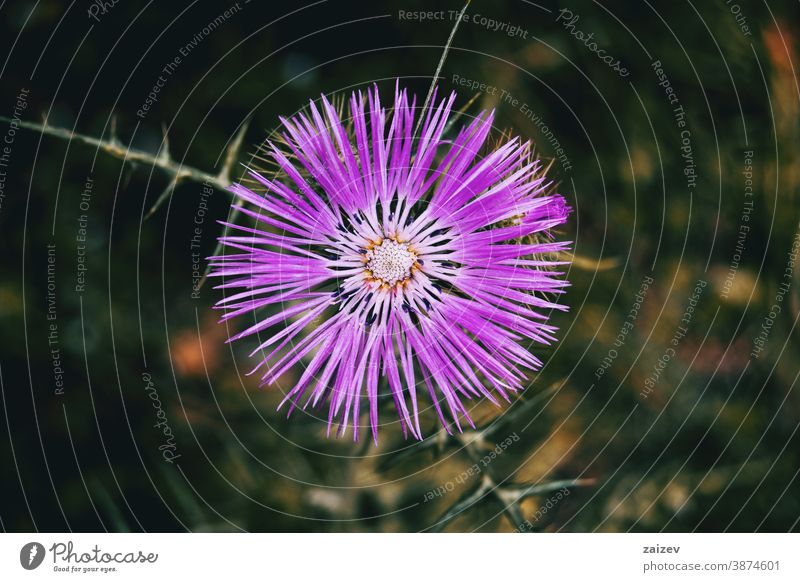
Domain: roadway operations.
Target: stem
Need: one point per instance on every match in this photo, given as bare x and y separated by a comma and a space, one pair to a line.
431, 89
116, 149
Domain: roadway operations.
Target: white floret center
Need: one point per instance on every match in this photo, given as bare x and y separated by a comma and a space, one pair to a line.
390, 262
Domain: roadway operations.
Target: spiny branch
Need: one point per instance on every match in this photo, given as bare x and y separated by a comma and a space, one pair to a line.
474, 444
115, 148
162, 160
507, 496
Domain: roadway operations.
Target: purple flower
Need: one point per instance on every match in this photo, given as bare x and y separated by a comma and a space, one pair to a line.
423, 263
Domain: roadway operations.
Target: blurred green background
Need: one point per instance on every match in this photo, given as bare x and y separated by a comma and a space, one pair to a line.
705, 441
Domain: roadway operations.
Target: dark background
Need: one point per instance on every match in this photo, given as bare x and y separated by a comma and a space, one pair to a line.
714, 447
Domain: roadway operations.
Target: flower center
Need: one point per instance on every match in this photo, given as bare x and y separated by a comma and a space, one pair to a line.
390, 262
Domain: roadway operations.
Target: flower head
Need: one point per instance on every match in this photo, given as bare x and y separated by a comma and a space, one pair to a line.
397, 263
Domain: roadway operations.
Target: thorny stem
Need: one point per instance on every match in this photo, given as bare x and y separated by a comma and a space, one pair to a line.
163, 161
116, 149
508, 496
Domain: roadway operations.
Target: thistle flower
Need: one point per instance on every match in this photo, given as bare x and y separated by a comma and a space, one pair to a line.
397, 265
